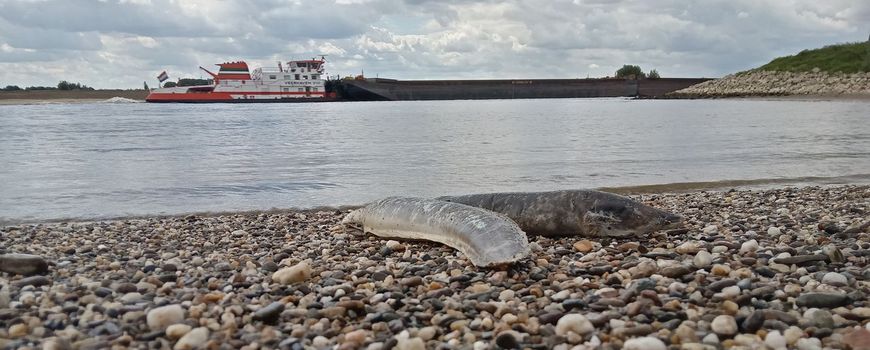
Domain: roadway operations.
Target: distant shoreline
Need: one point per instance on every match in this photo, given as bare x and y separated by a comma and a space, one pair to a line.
66, 96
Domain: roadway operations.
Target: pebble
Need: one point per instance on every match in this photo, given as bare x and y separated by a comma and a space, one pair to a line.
23, 264
724, 325
509, 340
176, 331
809, 344
583, 246
774, 232
835, 279
194, 339
576, 323
405, 342
427, 333
702, 259
161, 317
749, 246
18, 330
269, 314
775, 340
395, 246
294, 274
358, 336
822, 300
720, 270
644, 343
688, 248
792, 334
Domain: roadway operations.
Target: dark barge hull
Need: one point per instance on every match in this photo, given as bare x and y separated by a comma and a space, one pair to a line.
397, 90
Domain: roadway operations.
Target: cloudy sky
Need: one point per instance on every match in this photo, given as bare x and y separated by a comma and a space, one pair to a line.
121, 43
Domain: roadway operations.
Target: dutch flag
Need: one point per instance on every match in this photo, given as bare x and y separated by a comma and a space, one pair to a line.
163, 76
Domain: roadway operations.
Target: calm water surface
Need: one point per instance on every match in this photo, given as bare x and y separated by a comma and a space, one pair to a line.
107, 160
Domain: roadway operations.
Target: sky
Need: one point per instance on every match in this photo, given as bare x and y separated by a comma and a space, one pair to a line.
123, 43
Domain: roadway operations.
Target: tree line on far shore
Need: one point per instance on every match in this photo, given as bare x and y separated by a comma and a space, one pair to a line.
634, 72
62, 85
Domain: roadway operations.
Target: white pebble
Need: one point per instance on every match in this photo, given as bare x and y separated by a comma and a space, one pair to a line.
645, 343
749, 246
320, 341
576, 323
774, 232
809, 344
710, 229
730, 292
395, 245
724, 325
702, 259
775, 340
192, 340
711, 339
160, 318
405, 342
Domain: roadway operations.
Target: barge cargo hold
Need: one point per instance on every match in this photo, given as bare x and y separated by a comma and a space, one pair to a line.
397, 90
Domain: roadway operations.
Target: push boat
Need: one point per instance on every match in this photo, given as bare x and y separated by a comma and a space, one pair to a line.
299, 81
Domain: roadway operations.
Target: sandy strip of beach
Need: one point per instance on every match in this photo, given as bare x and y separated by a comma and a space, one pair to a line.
776, 267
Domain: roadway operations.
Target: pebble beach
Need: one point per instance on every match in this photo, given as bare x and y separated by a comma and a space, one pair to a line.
751, 269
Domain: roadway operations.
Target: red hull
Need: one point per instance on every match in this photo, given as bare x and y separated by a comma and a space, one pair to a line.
226, 97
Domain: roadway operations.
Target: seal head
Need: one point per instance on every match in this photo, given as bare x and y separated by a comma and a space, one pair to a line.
611, 215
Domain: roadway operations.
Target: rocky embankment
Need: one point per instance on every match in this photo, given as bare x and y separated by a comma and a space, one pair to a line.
768, 83
751, 269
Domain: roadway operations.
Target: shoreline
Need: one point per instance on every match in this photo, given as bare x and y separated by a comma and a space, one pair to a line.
628, 190
777, 266
66, 96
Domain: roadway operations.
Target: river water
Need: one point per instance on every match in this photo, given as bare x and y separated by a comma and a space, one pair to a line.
103, 160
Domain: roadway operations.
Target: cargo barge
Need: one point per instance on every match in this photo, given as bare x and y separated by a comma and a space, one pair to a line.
398, 90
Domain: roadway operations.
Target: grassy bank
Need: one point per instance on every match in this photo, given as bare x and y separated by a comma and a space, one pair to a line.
846, 58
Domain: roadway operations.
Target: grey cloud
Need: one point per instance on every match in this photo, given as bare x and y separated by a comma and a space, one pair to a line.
117, 43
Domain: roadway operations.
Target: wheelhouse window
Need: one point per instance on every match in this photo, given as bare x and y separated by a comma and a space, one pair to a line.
297, 76
305, 77
273, 77
315, 77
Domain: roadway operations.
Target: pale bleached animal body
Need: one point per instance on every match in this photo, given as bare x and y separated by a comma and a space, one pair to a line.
485, 237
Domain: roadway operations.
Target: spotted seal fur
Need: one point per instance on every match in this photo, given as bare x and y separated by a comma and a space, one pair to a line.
586, 213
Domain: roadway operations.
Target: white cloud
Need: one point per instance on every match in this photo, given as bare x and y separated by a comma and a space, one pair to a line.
119, 43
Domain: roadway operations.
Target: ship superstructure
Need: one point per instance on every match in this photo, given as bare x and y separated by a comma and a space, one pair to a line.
299, 81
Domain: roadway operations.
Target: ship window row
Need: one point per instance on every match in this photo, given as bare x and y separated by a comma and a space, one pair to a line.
297, 77
314, 89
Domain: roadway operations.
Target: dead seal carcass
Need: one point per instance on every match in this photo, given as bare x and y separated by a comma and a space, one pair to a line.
573, 212
485, 237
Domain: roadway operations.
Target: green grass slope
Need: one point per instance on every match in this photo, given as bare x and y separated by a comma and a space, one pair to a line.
846, 58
